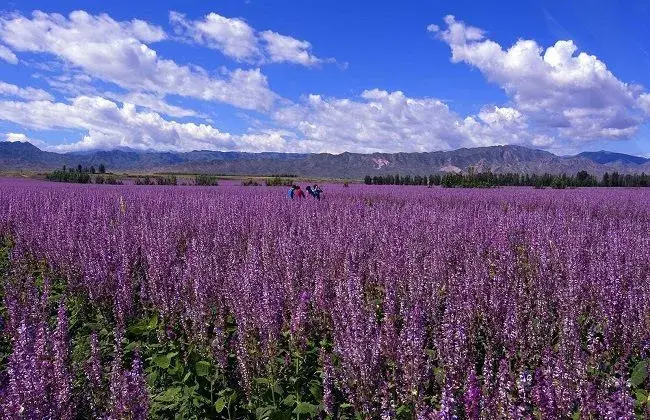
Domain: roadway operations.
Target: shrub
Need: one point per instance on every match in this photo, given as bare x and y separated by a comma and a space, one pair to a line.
250, 182
166, 180
206, 181
277, 181
111, 180
74, 177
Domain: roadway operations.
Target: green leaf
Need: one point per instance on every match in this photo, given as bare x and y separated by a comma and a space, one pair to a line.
403, 409
162, 361
220, 405
290, 400
140, 327
264, 412
152, 377
262, 381
346, 405
306, 408
132, 346
170, 395
639, 374
232, 397
277, 389
202, 368
316, 390
153, 322
176, 369
642, 399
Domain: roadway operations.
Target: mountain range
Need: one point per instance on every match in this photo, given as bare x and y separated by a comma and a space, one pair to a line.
23, 156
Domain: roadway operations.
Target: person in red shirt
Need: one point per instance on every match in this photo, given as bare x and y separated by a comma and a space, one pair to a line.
299, 193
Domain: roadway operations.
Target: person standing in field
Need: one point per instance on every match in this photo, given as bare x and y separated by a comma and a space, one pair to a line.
317, 192
314, 191
299, 192
292, 191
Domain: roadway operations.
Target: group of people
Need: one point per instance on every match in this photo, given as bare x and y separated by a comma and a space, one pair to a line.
296, 191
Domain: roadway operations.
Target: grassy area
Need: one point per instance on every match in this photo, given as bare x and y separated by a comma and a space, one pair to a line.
132, 176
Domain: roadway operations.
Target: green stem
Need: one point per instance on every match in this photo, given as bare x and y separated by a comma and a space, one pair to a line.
211, 395
297, 363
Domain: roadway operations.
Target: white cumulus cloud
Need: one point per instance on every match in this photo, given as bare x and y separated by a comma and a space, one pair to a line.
574, 94
286, 49
117, 52
16, 137
7, 55
152, 102
238, 40
109, 125
393, 122
232, 36
29, 93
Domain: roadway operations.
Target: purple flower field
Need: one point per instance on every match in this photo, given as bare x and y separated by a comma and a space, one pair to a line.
376, 302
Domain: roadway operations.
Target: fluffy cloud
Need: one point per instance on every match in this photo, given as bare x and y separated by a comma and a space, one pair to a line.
378, 121
237, 39
232, 36
644, 102
574, 95
391, 121
7, 55
109, 125
282, 48
116, 52
14, 137
152, 102
29, 93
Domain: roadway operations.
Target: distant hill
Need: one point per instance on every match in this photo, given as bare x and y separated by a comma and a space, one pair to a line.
498, 159
605, 157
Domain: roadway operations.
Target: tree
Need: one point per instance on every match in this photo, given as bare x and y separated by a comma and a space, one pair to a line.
102, 168
92, 169
79, 168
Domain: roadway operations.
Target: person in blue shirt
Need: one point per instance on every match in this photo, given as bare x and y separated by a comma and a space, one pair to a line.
292, 189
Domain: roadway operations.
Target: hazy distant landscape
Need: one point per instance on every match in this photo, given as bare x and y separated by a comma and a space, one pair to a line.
19, 156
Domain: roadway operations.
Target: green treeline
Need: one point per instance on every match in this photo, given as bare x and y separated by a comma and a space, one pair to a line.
489, 179
69, 176
79, 175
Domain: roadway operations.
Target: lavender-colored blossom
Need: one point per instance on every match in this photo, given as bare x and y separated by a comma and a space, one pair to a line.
545, 293
472, 397
136, 389
62, 378
93, 371
328, 383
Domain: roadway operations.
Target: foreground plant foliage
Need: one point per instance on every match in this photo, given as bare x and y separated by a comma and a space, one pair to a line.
380, 302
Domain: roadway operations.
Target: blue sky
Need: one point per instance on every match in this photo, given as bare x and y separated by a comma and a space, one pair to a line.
326, 76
